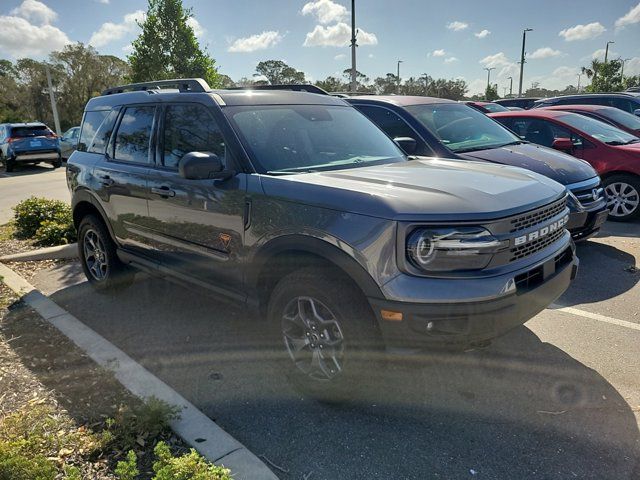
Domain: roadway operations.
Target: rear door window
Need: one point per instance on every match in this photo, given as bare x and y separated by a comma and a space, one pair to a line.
90, 125
102, 136
132, 141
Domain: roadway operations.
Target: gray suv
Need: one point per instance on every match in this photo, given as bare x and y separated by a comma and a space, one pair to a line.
297, 206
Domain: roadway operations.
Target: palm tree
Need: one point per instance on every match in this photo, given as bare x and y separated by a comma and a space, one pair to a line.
592, 71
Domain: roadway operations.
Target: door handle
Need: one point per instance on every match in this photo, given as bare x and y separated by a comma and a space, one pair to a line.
106, 180
163, 191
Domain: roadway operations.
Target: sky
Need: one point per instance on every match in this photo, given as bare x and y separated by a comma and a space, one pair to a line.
444, 39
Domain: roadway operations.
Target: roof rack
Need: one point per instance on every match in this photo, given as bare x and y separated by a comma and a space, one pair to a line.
192, 85
294, 88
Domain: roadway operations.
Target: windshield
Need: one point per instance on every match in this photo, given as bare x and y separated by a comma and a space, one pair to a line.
628, 120
33, 131
301, 138
599, 130
462, 128
494, 107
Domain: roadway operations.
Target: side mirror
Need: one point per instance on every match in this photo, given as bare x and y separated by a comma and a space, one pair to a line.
637, 112
201, 166
407, 144
563, 144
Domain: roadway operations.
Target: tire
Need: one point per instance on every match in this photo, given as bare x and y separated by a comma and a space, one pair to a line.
337, 348
57, 163
9, 164
101, 265
623, 197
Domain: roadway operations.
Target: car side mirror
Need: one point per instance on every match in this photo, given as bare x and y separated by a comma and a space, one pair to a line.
563, 144
407, 144
201, 166
637, 112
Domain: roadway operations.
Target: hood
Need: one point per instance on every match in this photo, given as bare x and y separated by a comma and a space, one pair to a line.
551, 163
424, 189
632, 148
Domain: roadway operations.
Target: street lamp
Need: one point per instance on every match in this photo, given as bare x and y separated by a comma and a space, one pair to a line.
510, 85
398, 77
606, 51
489, 76
354, 79
579, 75
623, 60
524, 40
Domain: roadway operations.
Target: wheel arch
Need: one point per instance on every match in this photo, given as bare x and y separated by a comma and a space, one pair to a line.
83, 204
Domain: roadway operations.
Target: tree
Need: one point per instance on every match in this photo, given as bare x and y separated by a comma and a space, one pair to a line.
386, 85
332, 84
168, 48
279, 73
491, 93
605, 77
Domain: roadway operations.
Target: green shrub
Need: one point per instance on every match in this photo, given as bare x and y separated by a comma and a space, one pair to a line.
14, 465
128, 469
49, 221
191, 466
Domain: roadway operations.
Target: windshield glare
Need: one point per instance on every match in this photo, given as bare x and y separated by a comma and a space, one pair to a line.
462, 128
599, 130
494, 107
623, 118
299, 138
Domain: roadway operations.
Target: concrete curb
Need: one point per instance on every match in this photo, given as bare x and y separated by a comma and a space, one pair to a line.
193, 426
61, 252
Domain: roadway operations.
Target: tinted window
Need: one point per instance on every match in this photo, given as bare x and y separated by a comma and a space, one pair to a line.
189, 128
539, 131
36, 131
289, 138
622, 104
134, 135
394, 126
101, 138
599, 130
623, 118
90, 124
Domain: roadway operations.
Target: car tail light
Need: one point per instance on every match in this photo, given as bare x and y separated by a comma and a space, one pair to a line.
51, 135
12, 139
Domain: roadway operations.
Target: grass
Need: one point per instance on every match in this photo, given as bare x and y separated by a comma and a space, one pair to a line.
7, 231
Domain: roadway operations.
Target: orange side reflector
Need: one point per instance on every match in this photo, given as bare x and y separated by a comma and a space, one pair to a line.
391, 316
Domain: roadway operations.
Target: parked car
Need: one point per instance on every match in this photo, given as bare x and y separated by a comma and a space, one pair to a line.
611, 115
627, 102
296, 205
523, 102
614, 153
487, 107
28, 143
69, 141
436, 127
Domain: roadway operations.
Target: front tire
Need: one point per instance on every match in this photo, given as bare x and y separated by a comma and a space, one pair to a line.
623, 197
100, 263
327, 333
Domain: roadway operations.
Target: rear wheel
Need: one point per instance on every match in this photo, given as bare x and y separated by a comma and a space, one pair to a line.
623, 197
57, 163
328, 335
9, 164
101, 265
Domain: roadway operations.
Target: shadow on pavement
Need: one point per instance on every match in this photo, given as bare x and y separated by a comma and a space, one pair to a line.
519, 409
599, 261
22, 170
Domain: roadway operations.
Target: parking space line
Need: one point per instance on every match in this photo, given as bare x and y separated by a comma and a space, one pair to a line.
596, 316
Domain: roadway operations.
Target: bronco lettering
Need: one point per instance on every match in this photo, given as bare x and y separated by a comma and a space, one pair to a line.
531, 236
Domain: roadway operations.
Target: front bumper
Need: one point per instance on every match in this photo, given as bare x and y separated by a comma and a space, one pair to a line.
465, 323
586, 223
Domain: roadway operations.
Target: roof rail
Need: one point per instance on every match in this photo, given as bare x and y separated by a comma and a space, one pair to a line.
294, 88
195, 85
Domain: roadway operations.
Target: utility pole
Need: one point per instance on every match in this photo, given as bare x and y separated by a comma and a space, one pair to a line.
579, 75
623, 60
489, 76
606, 52
354, 78
52, 97
524, 41
510, 85
398, 77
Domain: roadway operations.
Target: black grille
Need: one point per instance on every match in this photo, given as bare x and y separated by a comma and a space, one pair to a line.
530, 279
585, 195
538, 216
530, 248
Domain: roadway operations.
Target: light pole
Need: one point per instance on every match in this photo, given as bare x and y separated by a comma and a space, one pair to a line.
398, 77
524, 41
510, 85
623, 60
489, 76
579, 75
52, 97
354, 79
606, 51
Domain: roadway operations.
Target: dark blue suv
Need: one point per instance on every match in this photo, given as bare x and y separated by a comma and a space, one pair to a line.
28, 143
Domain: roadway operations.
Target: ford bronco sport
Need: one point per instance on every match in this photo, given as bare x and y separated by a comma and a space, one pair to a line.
296, 204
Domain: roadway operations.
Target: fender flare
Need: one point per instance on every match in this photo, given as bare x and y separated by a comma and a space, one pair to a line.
86, 196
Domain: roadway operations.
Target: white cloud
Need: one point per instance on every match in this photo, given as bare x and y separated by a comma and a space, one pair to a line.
437, 53
127, 49
484, 33
457, 26
496, 60
477, 86
104, 2
340, 56
198, 29
338, 35
633, 16
35, 11
599, 54
325, 11
632, 66
371, 55
19, 38
582, 32
545, 52
450, 60
109, 31
565, 72
260, 41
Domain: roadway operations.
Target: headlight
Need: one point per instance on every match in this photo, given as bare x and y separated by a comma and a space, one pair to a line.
452, 249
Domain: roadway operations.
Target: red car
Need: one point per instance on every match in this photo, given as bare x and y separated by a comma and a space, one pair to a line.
614, 153
614, 116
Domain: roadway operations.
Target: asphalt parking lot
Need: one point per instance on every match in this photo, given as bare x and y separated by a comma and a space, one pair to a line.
556, 399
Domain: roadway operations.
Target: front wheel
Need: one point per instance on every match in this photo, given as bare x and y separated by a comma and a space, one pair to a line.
100, 263
328, 335
623, 197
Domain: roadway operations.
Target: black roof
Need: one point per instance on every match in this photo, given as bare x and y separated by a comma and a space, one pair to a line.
401, 100
590, 95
